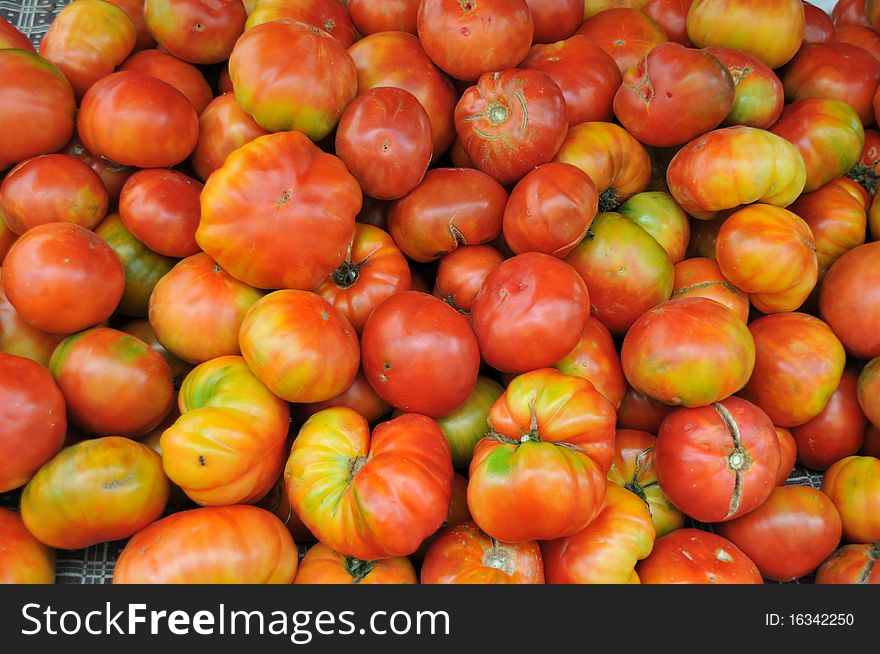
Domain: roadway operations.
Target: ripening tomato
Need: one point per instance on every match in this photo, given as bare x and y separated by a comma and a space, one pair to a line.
185, 77
194, 30
142, 330
392, 15
540, 472
87, 40
511, 121
10, 37
708, 175
23, 559
52, 188
717, 462
868, 390
849, 300
771, 31
461, 36
659, 215
700, 277
550, 210
112, 174
32, 419
370, 497
464, 554
853, 484
624, 33
62, 278
419, 354
671, 16
19, 338
595, 359
327, 15
789, 535
758, 93
137, 120
692, 556
638, 411
38, 100
99, 490
851, 564
197, 309
616, 162
134, 9
691, 351
309, 97
215, 545
465, 426
384, 137
323, 565
279, 184
461, 273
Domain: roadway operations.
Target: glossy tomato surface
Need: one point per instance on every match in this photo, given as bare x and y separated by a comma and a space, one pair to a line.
691, 556
194, 30
23, 559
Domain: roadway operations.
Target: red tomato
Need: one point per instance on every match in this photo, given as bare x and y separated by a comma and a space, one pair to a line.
595, 359
638, 411
279, 184
327, 15
10, 37
197, 309
818, 26
194, 30
384, 137
691, 556
625, 34
717, 462
586, 75
322, 565
849, 12
87, 41
555, 19
223, 127
788, 454
550, 210
789, 535
359, 397
135, 11
853, 484
419, 354
532, 299
230, 544
370, 497
113, 175
19, 338
464, 554
36, 98
798, 366
52, 188
23, 559
700, 277
461, 36
851, 564
671, 15
449, 208
868, 390
300, 346
179, 368
863, 37
461, 273
713, 361
392, 15
758, 93
185, 77
62, 278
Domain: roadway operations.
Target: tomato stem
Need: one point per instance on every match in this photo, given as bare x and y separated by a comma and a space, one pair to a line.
358, 568
348, 273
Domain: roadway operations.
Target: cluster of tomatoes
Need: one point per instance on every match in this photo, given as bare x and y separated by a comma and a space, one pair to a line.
466, 291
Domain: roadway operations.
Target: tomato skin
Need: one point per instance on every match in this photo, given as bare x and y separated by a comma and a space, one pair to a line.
384, 137
701, 277
586, 75
44, 121
113, 175
550, 210
616, 162
392, 15
10, 37
197, 309
38, 276
19, 338
798, 366
467, 424
87, 41
853, 484
327, 15
52, 188
849, 300
595, 359
216, 545
370, 497
863, 37
849, 12
788, 454
717, 462
246, 203
185, 77
300, 346
531, 298
868, 390
818, 26
851, 564
872, 13
141, 329
419, 354
464, 554
772, 32
691, 556
23, 559
659, 215
134, 9
120, 119
99, 490
625, 268
758, 93
461, 274
711, 173
638, 411
555, 20
32, 419
359, 397
196, 31
282, 98
322, 565
624, 33
397, 59
789, 535
671, 16
470, 200
633, 469
461, 37
871, 446
143, 267
511, 122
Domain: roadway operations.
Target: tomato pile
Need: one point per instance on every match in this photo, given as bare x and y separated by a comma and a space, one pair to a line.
456, 291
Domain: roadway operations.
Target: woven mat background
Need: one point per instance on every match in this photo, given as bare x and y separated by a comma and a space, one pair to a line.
95, 564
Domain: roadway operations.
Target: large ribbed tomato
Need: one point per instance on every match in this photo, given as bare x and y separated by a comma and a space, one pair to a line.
701, 277
323, 565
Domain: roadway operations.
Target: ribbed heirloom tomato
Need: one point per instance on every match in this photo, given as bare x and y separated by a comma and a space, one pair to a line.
322, 565
701, 277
